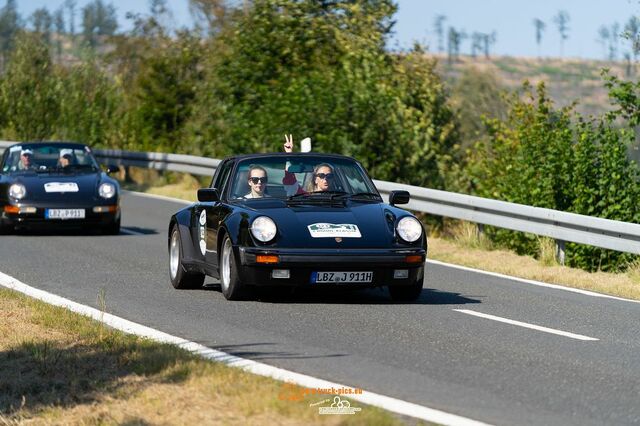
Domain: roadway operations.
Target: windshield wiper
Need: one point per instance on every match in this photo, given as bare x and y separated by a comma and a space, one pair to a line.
315, 194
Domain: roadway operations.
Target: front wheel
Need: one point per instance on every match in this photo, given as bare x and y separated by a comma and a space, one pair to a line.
180, 279
232, 287
112, 228
406, 293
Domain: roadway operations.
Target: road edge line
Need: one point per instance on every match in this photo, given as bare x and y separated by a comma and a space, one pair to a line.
370, 398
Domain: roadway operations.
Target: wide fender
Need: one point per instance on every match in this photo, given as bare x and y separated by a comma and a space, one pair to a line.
183, 219
236, 225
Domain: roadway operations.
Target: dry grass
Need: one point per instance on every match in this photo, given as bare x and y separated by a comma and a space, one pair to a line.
61, 368
506, 262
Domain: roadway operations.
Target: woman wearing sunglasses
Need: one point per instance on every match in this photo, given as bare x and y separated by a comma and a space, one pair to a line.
322, 176
257, 182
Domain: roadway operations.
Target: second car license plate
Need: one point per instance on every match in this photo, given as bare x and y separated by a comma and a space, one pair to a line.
342, 277
64, 214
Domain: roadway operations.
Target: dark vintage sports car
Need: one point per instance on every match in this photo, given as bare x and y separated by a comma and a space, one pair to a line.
259, 226
49, 185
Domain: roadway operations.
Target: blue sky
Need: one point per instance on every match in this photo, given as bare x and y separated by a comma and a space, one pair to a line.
511, 19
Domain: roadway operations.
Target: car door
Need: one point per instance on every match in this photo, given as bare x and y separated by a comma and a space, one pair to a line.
208, 216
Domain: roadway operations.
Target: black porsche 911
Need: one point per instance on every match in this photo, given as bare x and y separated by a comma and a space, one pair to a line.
299, 219
48, 185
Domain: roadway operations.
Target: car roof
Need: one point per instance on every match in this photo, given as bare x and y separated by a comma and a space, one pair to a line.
289, 154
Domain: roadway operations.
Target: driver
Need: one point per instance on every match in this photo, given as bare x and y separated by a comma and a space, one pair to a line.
257, 182
26, 160
322, 176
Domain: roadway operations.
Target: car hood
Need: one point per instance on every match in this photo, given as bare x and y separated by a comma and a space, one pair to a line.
87, 186
375, 223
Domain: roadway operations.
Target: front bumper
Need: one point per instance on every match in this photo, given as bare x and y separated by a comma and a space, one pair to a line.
27, 218
302, 263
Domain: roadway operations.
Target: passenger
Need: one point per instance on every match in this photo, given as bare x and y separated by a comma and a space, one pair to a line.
26, 160
66, 158
322, 176
257, 182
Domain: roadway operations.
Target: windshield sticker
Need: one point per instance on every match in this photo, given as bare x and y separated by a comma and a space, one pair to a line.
333, 230
61, 187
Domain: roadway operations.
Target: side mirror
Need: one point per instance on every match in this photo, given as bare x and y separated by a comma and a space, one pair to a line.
208, 195
112, 168
399, 197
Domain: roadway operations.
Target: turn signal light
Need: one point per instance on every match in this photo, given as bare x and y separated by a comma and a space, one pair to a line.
267, 258
413, 259
11, 209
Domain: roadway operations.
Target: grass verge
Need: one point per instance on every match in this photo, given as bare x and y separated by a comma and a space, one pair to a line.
466, 248
58, 367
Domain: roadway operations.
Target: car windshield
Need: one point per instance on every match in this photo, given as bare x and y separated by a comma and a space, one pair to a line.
305, 177
43, 158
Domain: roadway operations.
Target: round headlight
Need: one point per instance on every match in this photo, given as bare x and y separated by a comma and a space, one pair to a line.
17, 191
263, 228
409, 229
107, 190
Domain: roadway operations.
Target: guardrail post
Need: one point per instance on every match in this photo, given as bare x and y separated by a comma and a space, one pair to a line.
480, 230
560, 254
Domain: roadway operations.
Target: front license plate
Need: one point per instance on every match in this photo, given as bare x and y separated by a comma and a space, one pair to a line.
64, 213
342, 277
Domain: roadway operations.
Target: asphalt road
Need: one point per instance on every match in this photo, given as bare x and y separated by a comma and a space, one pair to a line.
428, 352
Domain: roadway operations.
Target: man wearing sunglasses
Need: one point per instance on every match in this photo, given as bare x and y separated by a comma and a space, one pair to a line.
257, 182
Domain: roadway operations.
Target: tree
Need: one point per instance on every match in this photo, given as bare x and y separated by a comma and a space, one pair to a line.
604, 38
540, 26
632, 33
42, 22
98, 20
562, 22
28, 90
10, 23
613, 41
438, 24
487, 41
211, 13
70, 5
476, 43
59, 25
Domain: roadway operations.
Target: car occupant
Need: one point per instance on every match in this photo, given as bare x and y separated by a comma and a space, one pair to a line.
322, 176
257, 182
26, 160
66, 158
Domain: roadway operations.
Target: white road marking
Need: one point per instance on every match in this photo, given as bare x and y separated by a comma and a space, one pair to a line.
532, 282
527, 325
370, 398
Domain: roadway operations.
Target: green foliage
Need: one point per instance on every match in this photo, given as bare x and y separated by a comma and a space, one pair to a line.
320, 69
540, 157
28, 91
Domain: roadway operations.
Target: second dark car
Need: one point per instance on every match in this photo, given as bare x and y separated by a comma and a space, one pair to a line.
49, 185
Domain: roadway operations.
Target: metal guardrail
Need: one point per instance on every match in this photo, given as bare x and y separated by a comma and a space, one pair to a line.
561, 226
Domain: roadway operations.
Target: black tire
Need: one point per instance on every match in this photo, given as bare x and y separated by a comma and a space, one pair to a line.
112, 229
5, 229
406, 293
230, 284
180, 279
